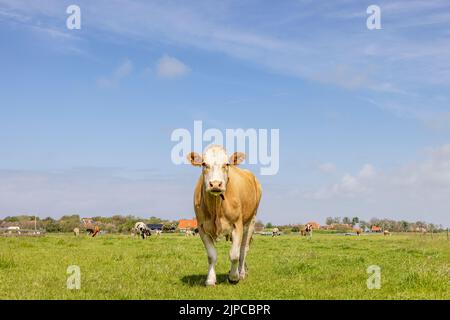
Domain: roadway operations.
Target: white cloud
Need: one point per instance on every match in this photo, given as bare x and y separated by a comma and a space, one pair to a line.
327, 167
413, 191
367, 171
121, 72
348, 186
170, 67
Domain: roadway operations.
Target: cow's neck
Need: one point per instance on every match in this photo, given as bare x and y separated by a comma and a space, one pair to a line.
214, 208
213, 202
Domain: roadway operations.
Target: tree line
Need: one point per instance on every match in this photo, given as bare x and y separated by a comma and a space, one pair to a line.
114, 224
124, 224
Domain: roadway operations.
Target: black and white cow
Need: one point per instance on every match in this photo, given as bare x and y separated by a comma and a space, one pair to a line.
141, 229
309, 230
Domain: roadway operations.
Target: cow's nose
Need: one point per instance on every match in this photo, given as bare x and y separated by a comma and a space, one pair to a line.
215, 184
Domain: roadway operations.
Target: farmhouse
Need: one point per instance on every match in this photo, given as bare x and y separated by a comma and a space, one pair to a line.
376, 229
186, 225
87, 221
314, 225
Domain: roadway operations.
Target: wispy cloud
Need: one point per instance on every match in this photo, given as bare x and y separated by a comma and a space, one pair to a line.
327, 167
170, 68
113, 80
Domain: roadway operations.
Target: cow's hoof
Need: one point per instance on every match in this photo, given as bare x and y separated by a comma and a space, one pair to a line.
210, 283
233, 281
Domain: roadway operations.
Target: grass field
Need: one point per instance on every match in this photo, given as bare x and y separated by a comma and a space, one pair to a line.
174, 267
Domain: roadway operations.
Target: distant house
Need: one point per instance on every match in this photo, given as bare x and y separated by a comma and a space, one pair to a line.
315, 225
376, 229
185, 225
87, 221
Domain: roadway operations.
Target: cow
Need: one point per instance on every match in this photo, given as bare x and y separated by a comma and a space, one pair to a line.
189, 233
386, 233
76, 232
275, 232
226, 201
141, 229
308, 230
93, 232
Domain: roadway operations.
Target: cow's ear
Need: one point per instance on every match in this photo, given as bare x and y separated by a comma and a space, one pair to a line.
195, 159
237, 158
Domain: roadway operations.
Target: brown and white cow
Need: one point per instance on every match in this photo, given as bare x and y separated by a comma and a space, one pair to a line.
226, 200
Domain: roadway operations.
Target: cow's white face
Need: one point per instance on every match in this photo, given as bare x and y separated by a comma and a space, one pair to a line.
216, 164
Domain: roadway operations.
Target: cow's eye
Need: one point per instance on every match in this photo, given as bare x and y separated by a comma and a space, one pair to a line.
205, 165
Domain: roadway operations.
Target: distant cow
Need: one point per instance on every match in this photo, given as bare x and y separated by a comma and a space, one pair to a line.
308, 230
141, 229
275, 232
93, 232
76, 232
226, 200
386, 233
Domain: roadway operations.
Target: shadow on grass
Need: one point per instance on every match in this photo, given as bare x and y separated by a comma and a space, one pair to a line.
198, 280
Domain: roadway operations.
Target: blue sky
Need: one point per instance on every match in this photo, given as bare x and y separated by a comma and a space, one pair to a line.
364, 116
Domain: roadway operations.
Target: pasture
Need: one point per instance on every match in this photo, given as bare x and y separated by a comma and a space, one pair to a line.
174, 267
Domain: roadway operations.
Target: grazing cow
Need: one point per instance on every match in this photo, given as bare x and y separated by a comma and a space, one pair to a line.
226, 200
275, 232
141, 229
76, 232
189, 233
386, 233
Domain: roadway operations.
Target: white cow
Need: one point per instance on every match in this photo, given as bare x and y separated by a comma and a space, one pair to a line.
142, 230
275, 232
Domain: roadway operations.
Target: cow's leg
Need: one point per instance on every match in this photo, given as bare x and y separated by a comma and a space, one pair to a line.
247, 237
212, 257
235, 251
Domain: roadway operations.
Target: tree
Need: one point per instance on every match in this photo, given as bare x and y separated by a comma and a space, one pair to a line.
259, 224
346, 220
329, 221
269, 225
355, 220
362, 224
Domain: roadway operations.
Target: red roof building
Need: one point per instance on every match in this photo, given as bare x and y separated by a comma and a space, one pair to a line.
187, 224
376, 229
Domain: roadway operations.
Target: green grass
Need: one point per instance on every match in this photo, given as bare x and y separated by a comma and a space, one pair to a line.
174, 267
